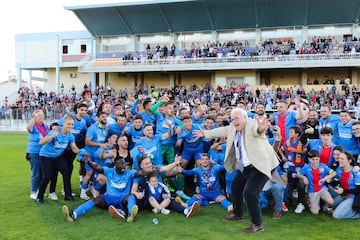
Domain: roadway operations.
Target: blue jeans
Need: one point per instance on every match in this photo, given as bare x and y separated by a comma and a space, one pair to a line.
337, 197
276, 192
35, 172
345, 211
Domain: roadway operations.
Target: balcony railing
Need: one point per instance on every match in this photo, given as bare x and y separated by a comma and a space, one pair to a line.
222, 62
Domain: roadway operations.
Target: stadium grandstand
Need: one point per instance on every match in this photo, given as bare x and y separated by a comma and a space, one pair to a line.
308, 45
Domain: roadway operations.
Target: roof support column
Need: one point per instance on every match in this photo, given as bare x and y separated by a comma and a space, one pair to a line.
354, 76
304, 77
92, 81
30, 79
257, 77
57, 72
355, 30
102, 79
132, 44
304, 34
257, 36
172, 80
214, 36
18, 76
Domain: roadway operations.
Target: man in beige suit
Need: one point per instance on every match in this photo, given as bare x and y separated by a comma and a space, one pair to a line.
249, 153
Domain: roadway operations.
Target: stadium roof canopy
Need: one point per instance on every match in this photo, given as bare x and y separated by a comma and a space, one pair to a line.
165, 16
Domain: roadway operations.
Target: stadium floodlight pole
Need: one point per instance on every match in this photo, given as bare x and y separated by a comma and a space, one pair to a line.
18, 75
30, 79
57, 75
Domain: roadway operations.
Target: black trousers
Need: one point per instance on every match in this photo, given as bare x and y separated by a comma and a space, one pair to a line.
49, 167
248, 185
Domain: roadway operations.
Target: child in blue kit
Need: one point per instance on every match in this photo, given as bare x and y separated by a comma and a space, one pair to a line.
159, 195
315, 176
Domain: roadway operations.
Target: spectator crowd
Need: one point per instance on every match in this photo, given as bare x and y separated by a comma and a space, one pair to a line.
55, 105
317, 45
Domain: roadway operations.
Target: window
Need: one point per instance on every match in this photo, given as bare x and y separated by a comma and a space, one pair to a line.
65, 49
83, 48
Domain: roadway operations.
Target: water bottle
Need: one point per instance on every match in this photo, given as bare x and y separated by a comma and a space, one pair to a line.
155, 221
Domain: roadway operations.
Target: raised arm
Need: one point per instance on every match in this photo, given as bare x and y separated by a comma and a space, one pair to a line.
133, 109
93, 164
169, 132
154, 108
214, 133
299, 112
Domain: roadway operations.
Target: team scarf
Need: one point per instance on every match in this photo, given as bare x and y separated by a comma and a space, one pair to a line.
42, 128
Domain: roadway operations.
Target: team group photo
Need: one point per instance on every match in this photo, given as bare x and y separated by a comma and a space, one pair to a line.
236, 123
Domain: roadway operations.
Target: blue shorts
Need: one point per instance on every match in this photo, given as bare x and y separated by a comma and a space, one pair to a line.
211, 196
113, 200
187, 155
88, 168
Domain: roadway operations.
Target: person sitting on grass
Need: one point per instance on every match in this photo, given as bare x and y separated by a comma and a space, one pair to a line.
118, 184
315, 176
159, 196
141, 189
208, 177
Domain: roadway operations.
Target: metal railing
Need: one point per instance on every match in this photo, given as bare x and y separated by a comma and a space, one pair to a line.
180, 61
21, 114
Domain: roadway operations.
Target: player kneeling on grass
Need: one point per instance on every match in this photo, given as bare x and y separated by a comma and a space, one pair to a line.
118, 184
208, 177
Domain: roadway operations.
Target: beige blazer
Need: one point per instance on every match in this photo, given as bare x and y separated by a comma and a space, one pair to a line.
260, 153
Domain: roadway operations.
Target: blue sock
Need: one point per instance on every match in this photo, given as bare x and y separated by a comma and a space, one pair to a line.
131, 203
191, 201
225, 203
85, 207
84, 185
98, 186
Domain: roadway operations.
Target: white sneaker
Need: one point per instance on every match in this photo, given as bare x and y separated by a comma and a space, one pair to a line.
117, 213
53, 196
165, 211
33, 195
300, 208
230, 208
295, 194
191, 211
83, 195
155, 210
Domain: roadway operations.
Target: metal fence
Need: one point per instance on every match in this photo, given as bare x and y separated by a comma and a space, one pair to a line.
21, 114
